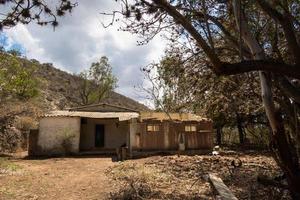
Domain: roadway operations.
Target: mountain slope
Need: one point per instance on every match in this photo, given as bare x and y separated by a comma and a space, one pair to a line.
61, 90
57, 90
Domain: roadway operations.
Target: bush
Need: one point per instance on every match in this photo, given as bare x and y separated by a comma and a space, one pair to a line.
17, 78
10, 139
25, 123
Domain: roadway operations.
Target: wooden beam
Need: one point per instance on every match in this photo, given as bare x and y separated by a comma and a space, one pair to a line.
221, 188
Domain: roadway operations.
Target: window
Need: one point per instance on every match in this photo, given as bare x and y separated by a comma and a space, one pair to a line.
205, 131
190, 128
152, 127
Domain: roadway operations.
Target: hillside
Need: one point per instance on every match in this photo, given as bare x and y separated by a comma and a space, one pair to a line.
57, 90
61, 90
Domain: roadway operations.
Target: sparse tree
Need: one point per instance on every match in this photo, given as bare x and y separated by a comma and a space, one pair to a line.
97, 82
184, 85
86, 88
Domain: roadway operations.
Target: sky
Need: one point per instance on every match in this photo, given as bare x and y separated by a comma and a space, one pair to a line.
80, 39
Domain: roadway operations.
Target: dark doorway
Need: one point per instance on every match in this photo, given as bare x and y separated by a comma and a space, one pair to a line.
99, 135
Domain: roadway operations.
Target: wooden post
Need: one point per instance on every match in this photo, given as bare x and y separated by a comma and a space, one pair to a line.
221, 188
129, 142
166, 134
131, 135
123, 153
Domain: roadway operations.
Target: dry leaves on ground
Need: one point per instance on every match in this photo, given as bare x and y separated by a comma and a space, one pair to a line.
185, 177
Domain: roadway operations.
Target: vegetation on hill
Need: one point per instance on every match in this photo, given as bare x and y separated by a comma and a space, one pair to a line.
17, 80
28, 89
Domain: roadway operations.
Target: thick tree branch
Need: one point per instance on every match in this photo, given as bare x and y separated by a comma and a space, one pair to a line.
179, 18
287, 27
225, 31
289, 89
260, 65
201, 16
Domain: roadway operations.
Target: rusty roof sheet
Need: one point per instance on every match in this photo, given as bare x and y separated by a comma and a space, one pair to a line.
171, 116
122, 116
102, 105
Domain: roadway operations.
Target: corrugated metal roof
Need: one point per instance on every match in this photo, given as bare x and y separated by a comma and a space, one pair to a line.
102, 107
122, 116
171, 116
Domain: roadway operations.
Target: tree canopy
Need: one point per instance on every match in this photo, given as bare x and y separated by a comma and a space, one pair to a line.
97, 81
181, 85
235, 37
17, 78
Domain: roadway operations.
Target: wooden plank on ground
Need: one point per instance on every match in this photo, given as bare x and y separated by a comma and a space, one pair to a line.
221, 188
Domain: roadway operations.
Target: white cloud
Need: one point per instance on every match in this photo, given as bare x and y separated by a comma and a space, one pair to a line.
20, 34
80, 39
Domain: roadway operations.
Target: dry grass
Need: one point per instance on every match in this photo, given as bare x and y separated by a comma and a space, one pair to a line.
25, 123
141, 181
157, 177
7, 166
185, 177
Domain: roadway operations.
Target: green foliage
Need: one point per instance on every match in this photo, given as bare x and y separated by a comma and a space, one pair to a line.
14, 52
7, 165
17, 78
97, 82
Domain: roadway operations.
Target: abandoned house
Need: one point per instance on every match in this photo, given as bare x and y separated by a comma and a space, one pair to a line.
102, 128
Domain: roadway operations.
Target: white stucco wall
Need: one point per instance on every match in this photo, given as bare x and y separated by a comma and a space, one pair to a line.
54, 132
133, 129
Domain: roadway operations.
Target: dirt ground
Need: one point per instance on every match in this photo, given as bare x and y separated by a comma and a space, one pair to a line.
56, 178
156, 177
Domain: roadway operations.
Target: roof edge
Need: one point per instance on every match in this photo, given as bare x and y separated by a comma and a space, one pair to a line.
102, 104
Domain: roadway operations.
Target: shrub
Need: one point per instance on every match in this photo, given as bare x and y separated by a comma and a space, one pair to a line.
25, 123
17, 78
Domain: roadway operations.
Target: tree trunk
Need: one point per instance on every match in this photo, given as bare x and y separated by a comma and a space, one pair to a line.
219, 135
285, 154
280, 142
240, 128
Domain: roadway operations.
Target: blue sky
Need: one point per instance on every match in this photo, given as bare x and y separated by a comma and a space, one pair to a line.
9, 45
80, 40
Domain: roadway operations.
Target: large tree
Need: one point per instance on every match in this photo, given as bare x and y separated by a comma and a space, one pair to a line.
238, 37
179, 84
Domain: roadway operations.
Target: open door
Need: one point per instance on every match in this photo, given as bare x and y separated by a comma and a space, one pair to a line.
99, 135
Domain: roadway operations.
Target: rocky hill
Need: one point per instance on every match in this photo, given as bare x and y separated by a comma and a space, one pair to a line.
61, 90
57, 90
